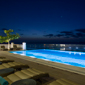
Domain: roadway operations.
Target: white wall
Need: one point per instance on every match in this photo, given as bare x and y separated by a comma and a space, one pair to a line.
6, 45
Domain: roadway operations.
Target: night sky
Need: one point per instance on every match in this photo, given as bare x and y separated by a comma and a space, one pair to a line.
44, 21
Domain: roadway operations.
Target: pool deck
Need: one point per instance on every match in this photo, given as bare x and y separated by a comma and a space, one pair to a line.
56, 70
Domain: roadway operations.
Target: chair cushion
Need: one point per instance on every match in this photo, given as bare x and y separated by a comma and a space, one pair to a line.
2, 67
28, 72
8, 80
13, 77
21, 75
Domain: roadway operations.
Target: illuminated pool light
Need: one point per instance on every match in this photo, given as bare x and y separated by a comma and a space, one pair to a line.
65, 57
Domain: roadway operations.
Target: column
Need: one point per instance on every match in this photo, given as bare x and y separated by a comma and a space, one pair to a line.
24, 45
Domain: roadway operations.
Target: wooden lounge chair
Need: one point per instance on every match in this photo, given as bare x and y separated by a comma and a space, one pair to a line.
6, 60
15, 65
25, 74
62, 81
2, 57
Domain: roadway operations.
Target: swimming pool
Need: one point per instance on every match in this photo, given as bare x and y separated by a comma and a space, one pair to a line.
64, 57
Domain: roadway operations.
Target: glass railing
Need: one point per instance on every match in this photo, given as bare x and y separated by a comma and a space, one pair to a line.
68, 47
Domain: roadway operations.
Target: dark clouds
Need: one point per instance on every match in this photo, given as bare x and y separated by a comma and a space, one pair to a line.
49, 35
67, 32
78, 33
59, 35
82, 30
4, 29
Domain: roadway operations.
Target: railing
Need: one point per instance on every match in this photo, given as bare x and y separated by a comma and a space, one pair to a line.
68, 47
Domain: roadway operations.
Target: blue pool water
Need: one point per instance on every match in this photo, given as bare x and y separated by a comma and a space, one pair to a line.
65, 57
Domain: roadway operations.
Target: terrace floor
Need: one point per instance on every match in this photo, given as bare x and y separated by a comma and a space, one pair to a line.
55, 70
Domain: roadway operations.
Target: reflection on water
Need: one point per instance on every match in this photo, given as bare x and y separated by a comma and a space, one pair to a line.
65, 57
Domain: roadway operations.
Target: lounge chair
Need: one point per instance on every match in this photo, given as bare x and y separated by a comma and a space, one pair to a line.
19, 82
14, 47
6, 60
15, 65
3, 48
62, 81
2, 57
29, 73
